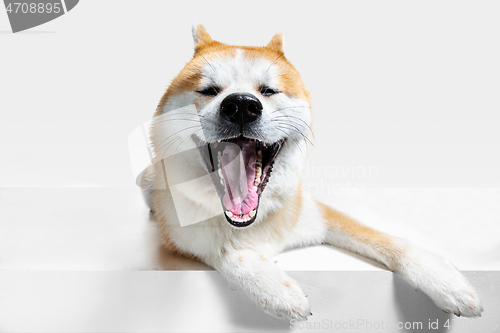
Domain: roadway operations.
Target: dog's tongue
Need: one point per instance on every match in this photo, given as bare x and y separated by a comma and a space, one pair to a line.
238, 170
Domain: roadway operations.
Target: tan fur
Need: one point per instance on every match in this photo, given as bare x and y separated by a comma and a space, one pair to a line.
276, 43
338, 222
201, 36
281, 227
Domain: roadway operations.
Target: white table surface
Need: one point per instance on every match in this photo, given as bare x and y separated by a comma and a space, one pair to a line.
90, 260
111, 229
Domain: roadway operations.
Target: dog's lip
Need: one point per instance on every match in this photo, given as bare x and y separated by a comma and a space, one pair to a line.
201, 142
271, 150
246, 223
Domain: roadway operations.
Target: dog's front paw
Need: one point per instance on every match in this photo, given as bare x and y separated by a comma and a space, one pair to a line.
446, 286
456, 295
286, 301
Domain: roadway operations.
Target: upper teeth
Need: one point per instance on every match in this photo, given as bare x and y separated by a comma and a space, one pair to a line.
258, 169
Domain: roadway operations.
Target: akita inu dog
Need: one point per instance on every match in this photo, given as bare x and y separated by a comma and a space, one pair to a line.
245, 116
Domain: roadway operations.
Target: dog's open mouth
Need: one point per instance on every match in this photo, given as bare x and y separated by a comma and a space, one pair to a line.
241, 169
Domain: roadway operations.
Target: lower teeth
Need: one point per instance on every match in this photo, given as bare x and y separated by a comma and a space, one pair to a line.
241, 218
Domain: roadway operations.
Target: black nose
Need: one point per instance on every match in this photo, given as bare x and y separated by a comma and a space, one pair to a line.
241, 108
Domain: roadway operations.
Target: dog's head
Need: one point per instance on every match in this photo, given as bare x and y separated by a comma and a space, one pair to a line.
252, 117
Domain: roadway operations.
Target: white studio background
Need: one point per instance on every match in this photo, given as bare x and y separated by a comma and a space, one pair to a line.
408, 88
406, 113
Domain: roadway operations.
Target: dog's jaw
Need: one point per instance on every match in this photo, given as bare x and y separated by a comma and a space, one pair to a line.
240, 196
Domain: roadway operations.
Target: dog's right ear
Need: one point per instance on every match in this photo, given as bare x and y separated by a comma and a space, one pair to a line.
200, 36
277, 42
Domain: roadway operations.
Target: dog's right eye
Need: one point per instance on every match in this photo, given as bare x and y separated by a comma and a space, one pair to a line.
210, 91
266, 91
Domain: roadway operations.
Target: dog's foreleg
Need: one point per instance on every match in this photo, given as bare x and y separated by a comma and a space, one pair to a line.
264, 282
435, 276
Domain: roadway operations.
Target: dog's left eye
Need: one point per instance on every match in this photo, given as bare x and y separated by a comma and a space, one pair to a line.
266, 91
210, 91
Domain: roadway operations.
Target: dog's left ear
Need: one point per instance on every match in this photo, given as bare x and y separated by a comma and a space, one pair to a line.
277, 42
200, 36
